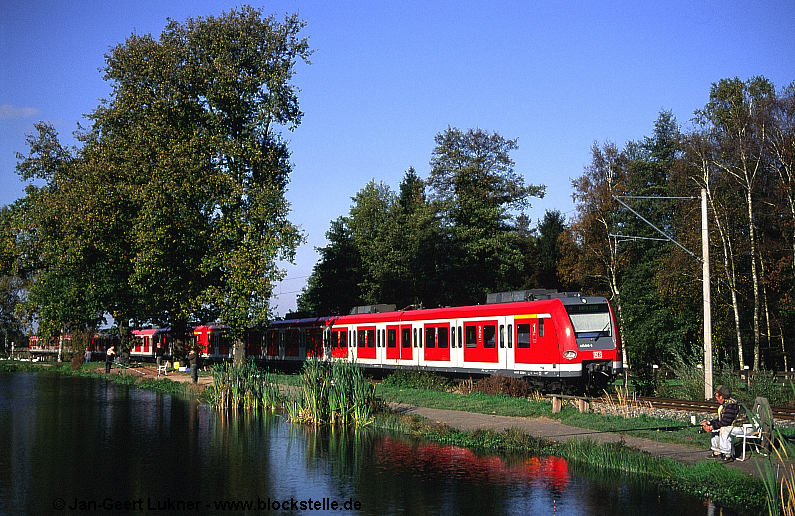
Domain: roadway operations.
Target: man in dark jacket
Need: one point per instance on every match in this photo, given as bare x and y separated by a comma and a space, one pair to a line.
728, 423
193, 358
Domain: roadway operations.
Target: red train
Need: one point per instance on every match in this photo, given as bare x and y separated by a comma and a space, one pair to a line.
212, 341
553, 338
98, 343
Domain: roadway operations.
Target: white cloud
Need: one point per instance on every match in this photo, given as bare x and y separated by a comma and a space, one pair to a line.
7, 112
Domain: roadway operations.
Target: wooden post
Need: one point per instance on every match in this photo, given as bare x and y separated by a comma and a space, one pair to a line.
557, 404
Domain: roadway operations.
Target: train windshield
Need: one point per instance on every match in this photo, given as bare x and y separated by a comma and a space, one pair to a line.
590, 320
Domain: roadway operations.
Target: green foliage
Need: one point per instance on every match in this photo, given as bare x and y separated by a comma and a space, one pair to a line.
467, 240
174, 207
385, 250
416, 379
548, 250
476, 192
690, 379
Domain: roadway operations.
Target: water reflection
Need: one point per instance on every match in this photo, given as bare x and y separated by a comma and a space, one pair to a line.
81, 440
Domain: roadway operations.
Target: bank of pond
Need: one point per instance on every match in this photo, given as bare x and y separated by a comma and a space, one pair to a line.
339, 395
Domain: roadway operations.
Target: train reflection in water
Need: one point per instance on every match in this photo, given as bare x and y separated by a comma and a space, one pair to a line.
434, 460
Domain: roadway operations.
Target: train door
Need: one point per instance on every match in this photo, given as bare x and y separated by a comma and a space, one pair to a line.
339, 343
480, 341
365, 342
536, 342
392, 342
405, 342
506, 343
437, 341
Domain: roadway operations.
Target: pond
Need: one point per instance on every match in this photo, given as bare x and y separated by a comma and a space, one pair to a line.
71, 445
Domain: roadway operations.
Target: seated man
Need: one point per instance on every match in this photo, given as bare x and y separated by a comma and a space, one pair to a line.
728, 423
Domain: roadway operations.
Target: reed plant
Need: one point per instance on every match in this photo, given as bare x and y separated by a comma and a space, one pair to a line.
334, 392
242, 385
778, 475
623, 403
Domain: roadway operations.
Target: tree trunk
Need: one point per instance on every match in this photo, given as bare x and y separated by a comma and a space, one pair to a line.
239, 351
729, 269
754, 274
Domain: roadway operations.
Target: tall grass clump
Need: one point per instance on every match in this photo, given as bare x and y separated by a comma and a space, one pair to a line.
623, 403
333, 392
242, 385
778, 475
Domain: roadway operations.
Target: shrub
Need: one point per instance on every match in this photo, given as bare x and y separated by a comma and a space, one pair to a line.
501, 384
414, 379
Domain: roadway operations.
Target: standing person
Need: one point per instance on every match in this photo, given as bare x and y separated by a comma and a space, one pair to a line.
110, 354
159, 353
728, 423
193, 358
87, 356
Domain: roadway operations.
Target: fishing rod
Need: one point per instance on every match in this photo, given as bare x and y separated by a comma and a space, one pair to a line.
627, 430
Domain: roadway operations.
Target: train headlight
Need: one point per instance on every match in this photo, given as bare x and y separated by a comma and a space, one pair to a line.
569, 355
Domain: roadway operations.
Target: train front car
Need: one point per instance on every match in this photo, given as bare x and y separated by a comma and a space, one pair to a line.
590, 344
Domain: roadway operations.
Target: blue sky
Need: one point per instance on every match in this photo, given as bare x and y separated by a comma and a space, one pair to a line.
386, 77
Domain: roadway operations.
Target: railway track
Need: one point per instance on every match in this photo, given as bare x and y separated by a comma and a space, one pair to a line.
701, 406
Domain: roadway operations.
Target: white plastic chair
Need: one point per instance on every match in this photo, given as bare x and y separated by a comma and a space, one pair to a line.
757, 432
161, 369
752, 435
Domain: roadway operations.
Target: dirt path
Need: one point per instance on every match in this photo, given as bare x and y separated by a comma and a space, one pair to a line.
150, 371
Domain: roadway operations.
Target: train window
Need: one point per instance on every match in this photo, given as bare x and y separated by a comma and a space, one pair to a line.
590, 320
430, 338
460, 340
370, 338
502, 335
405, 341
452, 338
343, 339
360, 342
415, 337
442, 338
419, 336
489, 336
472, 336
541, 327
522, 335
510, 335
391, 338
